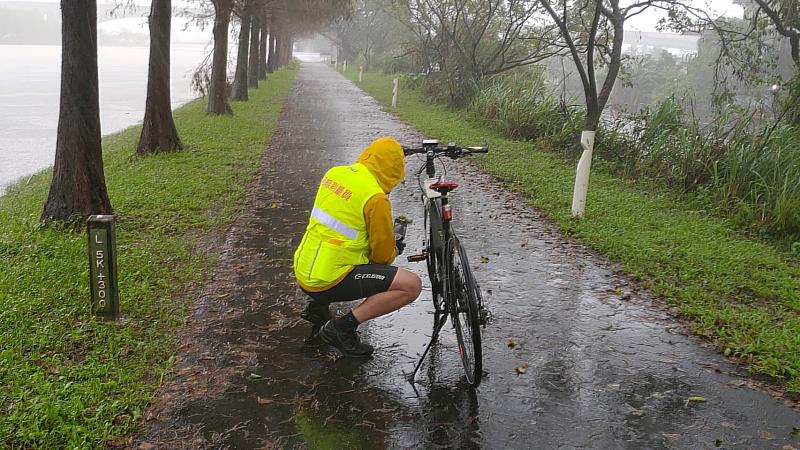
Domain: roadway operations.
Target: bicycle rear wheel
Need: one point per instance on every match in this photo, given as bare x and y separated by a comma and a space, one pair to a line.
434, 245
462, 298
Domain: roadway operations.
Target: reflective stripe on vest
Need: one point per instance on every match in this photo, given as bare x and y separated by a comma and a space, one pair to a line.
334, 224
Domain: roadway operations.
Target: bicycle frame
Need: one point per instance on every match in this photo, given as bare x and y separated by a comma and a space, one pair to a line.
438, 212
455, 291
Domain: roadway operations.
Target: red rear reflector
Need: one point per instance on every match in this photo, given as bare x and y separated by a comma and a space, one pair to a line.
447, 213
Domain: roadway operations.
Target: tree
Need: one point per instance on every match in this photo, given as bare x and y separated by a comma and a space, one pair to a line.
753, 50
240, 83
78, 188
255, 59
262, 47
271, 65
460, 42
369, 31
591, 33
158, 129
218, 85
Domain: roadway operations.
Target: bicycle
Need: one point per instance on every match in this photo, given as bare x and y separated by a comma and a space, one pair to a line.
455, 291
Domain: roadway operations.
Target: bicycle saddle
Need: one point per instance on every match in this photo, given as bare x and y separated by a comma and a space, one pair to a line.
443, 187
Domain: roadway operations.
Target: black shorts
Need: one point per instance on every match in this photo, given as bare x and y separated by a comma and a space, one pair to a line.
363, 281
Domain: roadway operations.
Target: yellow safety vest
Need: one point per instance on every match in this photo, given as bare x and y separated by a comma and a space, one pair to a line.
336, 237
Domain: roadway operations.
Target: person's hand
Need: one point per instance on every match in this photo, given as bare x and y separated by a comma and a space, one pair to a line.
400, 246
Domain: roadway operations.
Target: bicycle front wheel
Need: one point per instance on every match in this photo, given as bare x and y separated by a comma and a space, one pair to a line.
462, 298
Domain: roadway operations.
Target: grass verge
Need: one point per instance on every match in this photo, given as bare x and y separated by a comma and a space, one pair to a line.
743, 295
66, 379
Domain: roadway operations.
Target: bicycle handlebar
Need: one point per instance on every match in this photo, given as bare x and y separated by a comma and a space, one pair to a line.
451, 149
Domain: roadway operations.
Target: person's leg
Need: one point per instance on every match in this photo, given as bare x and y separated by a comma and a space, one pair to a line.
317, 312
405, 288
388, 287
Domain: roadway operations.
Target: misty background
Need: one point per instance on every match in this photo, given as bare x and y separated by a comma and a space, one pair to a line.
30, 48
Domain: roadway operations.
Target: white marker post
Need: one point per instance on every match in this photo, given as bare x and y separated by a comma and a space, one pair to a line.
582, 175
344, 66
394, 92
336, 65
360, 73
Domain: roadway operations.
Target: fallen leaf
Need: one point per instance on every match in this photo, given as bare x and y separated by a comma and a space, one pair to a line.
274, 205
146, 446
484, 260
511, 343
254, 376
696, 399
636, 412
618, 291
766, 435
522, 368
263, 401
795, 431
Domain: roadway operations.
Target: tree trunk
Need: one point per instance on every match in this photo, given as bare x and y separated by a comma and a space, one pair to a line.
218, 87
78, 188
271, 52
592, 120
158, 129
279, 47
240, 76
262, 49
252, 68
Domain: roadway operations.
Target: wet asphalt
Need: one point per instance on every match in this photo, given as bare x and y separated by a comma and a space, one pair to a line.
607, 366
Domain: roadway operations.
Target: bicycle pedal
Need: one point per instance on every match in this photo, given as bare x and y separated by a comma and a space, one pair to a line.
417, 258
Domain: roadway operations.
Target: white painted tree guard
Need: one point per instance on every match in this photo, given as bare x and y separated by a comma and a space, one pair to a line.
582, 174
394, 92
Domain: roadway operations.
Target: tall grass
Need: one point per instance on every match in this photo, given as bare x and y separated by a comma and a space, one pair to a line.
749, 170
521, 106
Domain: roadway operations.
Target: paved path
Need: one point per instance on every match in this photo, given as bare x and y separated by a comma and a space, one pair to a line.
607, 368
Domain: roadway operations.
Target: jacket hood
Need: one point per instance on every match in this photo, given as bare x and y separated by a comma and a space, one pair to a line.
385, 160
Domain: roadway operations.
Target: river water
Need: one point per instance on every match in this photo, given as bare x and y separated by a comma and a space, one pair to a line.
29, 98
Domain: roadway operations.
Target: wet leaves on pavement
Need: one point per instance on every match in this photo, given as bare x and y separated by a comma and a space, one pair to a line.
511, 342
522, 368
484, 259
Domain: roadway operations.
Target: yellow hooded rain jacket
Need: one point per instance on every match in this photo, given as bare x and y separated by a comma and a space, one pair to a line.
351, 222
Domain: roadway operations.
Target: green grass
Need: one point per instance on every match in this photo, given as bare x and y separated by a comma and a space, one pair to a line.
66, 379
743, 295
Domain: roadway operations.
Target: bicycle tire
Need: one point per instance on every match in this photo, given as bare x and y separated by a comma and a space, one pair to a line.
462, 299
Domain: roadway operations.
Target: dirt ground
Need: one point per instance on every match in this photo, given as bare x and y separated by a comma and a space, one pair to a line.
608, 367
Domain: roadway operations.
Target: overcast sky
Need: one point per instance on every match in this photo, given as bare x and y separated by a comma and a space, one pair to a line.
644, 22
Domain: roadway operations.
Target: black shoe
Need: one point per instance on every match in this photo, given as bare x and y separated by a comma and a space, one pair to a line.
316, 313
346, 342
